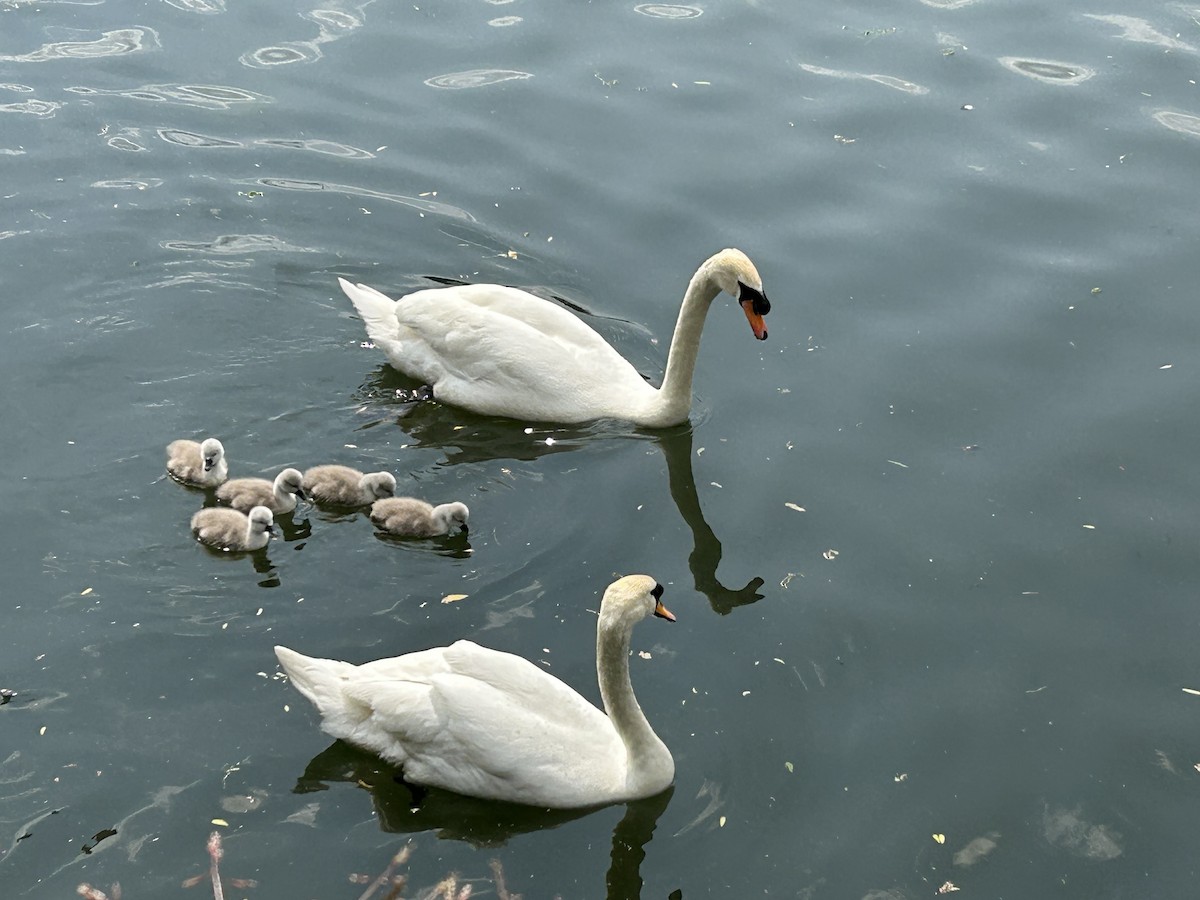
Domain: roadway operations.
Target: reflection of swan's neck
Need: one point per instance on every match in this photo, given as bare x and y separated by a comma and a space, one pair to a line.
647, 755
674, 398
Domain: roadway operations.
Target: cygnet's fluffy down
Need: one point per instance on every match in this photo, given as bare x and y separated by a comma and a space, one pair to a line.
199, 464
344, 486
228, 529
278, 496
409, 517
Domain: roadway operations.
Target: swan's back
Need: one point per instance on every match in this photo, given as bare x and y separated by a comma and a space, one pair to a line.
472, 720
487, 347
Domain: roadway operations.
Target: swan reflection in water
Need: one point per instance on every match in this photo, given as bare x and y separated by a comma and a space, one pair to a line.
465, 437
406, 808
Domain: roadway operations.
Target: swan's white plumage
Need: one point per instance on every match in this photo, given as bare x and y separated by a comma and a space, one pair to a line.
410, 517
344, 486
494, 725
501, 351
279, 495
230, 529
197, 463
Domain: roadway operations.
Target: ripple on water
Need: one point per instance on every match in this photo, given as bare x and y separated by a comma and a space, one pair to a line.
334, 20
668, 11
948, 4
282, 55
110, 43
891, 81
1047, 70
329, 148
419, 203
332, 24
127, 139
1140, 31
43, 109
1177, 121
192, 139
505, 21
238, 244
129, 184
203, 7
205, 96
474, 78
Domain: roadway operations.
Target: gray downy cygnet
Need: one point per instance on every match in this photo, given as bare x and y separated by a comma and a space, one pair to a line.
278, 496
195, 463
344, 486
229, 529
409, 517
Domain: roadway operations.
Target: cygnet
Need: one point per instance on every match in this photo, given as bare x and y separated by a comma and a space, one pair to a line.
199, 464
344, 486
409, 517
228, 529
278, 496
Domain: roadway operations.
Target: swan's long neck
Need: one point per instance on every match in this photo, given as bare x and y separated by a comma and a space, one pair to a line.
647, 755
675, 396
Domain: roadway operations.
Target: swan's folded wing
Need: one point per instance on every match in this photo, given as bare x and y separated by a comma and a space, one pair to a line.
488, 696
506, 337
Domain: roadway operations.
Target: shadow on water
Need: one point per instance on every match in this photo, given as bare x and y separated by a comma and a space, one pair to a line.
404, 808
451, 546
465, 437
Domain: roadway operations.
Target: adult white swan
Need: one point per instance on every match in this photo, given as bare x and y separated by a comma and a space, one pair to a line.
493, 725
501, 351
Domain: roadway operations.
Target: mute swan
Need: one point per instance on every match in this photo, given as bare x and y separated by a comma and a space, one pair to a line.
278, 496
409, 517
202, 465
493, 725
344, 486
229, 529
500, 351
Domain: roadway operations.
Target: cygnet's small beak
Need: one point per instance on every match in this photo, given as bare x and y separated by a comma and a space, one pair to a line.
465, 529
300, 493
757, 324
209, 463
662, 612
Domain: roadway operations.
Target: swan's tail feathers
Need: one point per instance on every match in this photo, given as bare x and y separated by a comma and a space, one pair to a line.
378, 311
322, 681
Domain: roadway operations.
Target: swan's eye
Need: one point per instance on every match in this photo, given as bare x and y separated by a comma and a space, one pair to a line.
657, 592
758, 299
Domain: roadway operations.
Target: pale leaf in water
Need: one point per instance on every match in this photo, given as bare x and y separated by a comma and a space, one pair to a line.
796, 506
454, 598
644, 654
790, 767
721, 822
830, 554
220, 822
1089, 527
948, 887
940, 838
1191, 691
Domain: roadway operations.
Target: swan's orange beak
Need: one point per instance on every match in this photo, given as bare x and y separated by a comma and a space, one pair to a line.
662, 612
757, 324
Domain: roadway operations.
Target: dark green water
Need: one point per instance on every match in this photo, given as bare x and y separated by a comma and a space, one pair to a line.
976, 224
